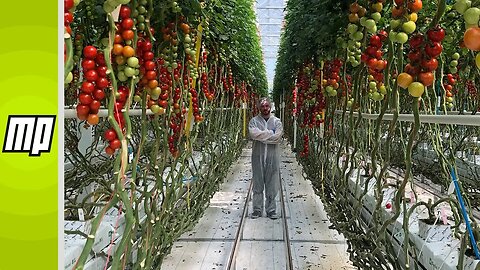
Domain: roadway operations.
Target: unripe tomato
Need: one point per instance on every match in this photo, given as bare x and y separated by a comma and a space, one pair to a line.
416, 89
404, 80
93, 119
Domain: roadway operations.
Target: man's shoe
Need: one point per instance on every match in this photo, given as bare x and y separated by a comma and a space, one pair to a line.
273, 215
256, 214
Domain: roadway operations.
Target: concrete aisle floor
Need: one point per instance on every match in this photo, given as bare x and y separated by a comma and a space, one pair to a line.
314, 245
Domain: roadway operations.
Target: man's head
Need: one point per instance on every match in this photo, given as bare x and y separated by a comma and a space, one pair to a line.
264, 106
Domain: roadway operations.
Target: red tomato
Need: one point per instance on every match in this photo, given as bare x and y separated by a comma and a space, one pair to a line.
100, 59
109, 151
88, 64
426, 78
151, 75
124, 12
68, 4
85, 99
91, 75
414, 55
434, 50
110, 134
147, 46
436, 34
150, 65
148, 56
95, 106
67, 18
102, 71
83, 109
127, 23
115, 144
98, 94
90, 52
375, 41
416, 41
102, 83
430, 64
88, 87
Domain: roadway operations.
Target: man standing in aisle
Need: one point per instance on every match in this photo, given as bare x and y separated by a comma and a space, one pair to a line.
266, 131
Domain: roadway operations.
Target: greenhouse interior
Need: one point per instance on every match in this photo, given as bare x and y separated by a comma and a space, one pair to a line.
271, 134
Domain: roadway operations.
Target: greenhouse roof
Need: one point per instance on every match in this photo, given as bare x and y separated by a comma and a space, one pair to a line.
270, 15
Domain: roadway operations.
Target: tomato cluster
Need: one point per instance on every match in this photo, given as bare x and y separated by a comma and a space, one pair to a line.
305, 151
472, 89
331, 77
92, 89
113, 142
372, 56
68, 15
209, 95
404, 14
127, 62
449, 83
176, 123
423, 61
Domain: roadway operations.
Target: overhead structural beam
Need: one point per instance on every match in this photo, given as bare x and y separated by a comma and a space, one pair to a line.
456, 119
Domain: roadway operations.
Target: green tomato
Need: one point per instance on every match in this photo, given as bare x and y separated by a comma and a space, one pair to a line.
372, 85
376, 96
462, 5
453, 69
121, 76
132, 61
329, 89
409, 27
108, 7
456, 56
383, 89
472, 15
393, 36
362, 21
372, 30
129, 71
416, 89
352, 28
376, 16
137, 98
453, 63
358, 36
333, 93
370, 24
395, 23
155, 108
402, 37
69, 78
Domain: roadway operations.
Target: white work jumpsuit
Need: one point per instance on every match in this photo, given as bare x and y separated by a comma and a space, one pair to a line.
266, 136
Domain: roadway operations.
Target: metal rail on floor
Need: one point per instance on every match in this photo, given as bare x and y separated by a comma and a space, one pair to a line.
286, 236
231, 265
232, 259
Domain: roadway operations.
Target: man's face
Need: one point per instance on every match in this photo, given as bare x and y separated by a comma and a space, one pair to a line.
265, 108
